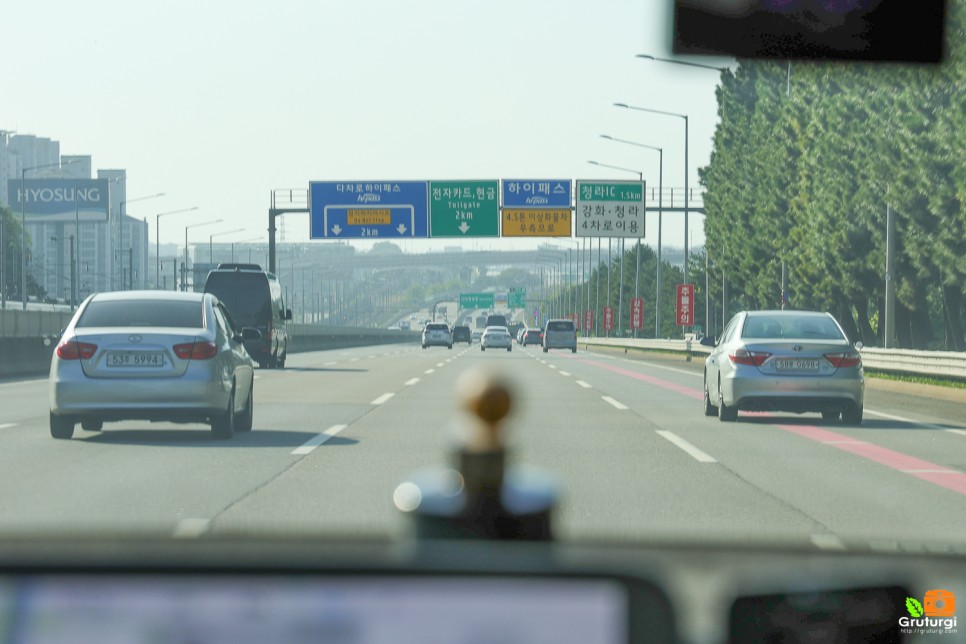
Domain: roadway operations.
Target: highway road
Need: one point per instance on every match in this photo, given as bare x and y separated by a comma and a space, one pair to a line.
336, 431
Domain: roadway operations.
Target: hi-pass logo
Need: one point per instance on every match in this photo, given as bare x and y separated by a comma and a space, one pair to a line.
936, 614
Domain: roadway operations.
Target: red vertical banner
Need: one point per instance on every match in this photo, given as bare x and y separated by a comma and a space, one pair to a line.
685, 305
608, 318
575, 317
637, 312
588, 320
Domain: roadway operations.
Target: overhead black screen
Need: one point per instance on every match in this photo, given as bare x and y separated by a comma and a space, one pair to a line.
871, 30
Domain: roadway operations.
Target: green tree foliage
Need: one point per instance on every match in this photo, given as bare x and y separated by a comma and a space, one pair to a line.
806, 160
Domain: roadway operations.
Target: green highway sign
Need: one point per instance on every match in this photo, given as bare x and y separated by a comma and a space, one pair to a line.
476, 300
516, 298
610, 209
464, 208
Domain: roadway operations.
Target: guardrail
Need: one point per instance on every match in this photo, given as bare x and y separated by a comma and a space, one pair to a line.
945, 364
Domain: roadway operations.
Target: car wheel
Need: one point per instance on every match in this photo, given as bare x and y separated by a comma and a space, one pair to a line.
482, 348
424, 346
61, 426
223, 425
509, 349
852, 415
831, 415
709, 409
545, 349
725, 413
574, 350
450, 346
92, 425
244, 422
281, 361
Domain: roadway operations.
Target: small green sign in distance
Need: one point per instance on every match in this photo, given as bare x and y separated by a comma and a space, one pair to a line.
476, 300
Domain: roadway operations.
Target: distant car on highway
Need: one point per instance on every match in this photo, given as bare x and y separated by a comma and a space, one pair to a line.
437, 334
560, 334
152, 355
531, 336
797, 361
462, 333
476, 335
496, 337
496, 319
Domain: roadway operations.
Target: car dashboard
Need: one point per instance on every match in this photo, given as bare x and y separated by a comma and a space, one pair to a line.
295, 590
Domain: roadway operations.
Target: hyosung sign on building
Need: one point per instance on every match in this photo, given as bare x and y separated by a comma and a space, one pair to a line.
52, 200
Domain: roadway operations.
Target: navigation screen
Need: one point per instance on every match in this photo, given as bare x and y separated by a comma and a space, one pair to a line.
341, 610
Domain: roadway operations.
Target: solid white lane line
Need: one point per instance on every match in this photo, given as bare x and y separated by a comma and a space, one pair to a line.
613, 402
583, 384
381, 399
429, 371
564, 373
930, 471
329, 364
660, 366
902, 419
5, 425
695, 453
827, 542
961, 432
412, 381
309, 446
191, 528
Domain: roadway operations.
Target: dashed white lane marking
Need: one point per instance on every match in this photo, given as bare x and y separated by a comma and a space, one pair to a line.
611, 401
583, 384
902, 419
5, 425
439, 364
429, 371
309, 446
695, 453
564, 373
191, 528
329, 364
827, 542
553, 366
381, 399
412, 381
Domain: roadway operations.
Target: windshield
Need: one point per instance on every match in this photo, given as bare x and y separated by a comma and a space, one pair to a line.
406, 168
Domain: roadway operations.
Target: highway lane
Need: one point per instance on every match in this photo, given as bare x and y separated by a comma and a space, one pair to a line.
337, 430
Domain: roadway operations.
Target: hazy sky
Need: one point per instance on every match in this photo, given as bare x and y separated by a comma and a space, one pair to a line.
216, 103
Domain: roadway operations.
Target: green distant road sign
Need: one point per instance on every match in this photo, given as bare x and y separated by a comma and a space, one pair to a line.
516, 298
476, 300
464, 208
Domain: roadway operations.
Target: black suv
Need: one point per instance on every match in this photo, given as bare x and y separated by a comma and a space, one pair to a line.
461, 333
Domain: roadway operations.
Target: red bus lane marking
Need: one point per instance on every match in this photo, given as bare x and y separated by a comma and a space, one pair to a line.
924, 470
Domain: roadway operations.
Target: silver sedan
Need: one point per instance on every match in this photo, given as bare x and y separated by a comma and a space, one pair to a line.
496, 337
796, 361
152, 355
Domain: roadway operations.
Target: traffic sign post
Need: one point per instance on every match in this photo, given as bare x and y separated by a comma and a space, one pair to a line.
517, 298
685, 305
637, 313
464, 209
610, 209
367, 209
476, 300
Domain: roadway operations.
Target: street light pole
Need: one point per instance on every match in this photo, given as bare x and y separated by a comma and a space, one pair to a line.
120, 242
660, 222
184, 275
157, 241
211, 259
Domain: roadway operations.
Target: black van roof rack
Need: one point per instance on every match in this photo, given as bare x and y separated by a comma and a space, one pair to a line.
238, 267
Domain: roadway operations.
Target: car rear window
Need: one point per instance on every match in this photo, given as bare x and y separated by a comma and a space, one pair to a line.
791, 328
437, 327
560, 326
143, 313
246, 295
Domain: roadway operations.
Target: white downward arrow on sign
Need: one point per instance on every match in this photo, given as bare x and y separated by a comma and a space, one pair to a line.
464, 227
336, 229
401, 228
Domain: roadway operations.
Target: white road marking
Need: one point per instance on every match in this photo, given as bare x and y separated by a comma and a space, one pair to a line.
354, 360
613, 402
381, 399
902, 419
660, 366
957, 431
564, 373
695, 453
5, 425
552, 366
309, 446
930, 471
412, 381
583, 384
429, 371
329, 364
827, 542
191, 528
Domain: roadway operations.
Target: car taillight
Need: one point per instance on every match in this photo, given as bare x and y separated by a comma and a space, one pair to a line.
73, 350
196, 350
848, 359
752, 358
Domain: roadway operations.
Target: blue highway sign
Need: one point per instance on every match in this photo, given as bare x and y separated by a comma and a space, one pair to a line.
368, 209
536, 193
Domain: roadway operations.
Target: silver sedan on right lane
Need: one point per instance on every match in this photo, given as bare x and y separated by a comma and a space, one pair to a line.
793, 361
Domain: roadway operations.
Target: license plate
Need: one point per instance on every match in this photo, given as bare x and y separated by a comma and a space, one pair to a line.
797, 364
135, 359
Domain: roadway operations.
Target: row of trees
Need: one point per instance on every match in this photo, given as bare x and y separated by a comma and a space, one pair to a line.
806, 160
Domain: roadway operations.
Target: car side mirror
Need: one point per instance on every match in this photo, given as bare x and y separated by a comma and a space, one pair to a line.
858, 345
708, 341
